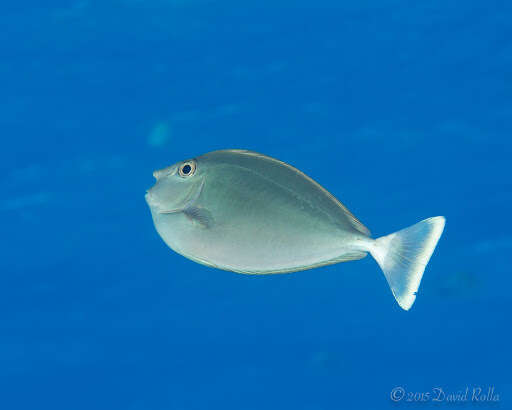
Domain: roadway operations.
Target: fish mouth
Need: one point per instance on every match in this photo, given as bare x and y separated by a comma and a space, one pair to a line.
148, 198
151, 201
192, 196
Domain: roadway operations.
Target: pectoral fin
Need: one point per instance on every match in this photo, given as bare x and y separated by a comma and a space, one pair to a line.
199, 215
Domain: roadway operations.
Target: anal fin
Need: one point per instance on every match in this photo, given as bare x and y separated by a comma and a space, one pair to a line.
352, 256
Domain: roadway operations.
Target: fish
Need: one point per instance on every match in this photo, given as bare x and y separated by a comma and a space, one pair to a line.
246, 212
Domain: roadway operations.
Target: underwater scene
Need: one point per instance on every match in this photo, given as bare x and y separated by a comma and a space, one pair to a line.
401, 110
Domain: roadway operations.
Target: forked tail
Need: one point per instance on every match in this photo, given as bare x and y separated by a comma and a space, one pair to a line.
403, 256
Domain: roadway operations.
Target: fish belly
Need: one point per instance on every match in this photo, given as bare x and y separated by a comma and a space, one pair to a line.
261, 247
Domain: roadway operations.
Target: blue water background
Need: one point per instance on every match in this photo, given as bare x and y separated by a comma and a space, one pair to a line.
401, 109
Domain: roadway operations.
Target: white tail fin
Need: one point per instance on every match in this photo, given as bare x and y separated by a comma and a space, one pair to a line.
403, 256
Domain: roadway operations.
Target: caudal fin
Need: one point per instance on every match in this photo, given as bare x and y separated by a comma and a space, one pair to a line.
403, 256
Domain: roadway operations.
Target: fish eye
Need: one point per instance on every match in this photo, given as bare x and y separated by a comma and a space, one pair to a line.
187, 169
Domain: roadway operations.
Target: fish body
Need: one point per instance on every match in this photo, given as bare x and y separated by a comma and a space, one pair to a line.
249, 213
